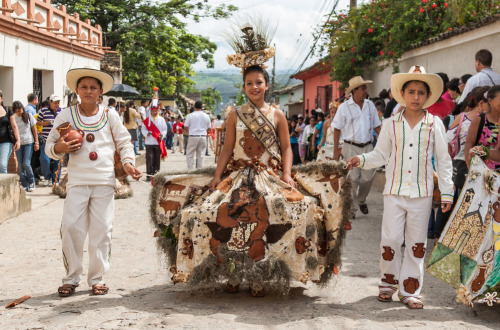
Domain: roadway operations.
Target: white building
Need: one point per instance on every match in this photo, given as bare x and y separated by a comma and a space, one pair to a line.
290, 99
39, 44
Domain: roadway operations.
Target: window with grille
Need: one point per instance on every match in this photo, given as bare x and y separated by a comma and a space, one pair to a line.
37, 84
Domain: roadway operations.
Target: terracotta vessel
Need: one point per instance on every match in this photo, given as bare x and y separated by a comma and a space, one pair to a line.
73, 134
418, 250
388, 254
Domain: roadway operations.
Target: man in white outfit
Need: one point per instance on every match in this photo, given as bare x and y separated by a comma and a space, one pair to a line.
356, 118
197, 125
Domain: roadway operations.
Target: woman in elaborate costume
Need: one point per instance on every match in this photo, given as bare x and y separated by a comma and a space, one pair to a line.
255, 218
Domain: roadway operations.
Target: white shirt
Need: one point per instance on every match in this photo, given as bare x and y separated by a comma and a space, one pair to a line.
82, 170
482, 78
218, 123
142, 112
308, 130
407, 154
356, 125
162, 127
198, 122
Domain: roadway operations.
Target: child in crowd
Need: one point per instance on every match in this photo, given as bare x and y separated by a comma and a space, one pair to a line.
89, 204
406, 145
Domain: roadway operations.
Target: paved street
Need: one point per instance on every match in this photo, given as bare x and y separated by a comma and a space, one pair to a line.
142, 295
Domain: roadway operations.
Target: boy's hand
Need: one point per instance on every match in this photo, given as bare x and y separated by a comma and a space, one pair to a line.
132, 171
352, 162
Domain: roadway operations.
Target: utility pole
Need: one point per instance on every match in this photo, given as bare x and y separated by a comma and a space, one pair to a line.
274, 74
353, 4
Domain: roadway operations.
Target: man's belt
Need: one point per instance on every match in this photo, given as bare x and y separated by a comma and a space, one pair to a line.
359, 145
198, 135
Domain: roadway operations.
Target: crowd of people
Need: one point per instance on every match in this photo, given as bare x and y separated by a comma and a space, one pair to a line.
419, 127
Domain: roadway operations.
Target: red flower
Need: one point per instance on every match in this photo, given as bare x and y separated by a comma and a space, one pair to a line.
449, 29
370, 30
434, 5
353, 49
421, 9
381, 52
353, 60
424, 1
446, 4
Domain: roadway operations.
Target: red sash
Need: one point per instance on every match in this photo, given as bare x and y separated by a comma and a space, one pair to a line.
155, 132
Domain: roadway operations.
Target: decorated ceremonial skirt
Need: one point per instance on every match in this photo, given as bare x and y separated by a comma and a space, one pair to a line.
467, 253
253, 227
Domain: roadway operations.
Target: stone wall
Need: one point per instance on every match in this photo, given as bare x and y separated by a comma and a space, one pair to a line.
13, 199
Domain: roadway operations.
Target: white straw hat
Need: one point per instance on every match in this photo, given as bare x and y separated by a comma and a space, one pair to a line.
417, 72
74, 75
355, 82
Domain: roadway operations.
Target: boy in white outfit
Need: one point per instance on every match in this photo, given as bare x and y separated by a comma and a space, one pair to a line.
89, 204
407, 143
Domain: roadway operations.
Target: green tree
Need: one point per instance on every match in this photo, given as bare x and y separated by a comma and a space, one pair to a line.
211, 98
383, 29
156, 48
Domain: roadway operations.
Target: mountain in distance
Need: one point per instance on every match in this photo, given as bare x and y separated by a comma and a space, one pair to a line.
226, 81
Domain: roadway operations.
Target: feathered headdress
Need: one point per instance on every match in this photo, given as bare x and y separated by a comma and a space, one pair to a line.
251, 42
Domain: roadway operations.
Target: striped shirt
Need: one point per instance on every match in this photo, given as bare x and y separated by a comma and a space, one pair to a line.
47, 114
407, 154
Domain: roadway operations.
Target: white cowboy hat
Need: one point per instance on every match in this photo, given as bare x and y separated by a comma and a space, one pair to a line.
355, 83
417, 72
74, 74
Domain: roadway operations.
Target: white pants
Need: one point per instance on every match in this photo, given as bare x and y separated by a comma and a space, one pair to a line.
87, 209
178, 138
361, 179
198, 145
405, 220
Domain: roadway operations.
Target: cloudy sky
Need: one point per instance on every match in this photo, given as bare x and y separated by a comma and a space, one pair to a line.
296, 19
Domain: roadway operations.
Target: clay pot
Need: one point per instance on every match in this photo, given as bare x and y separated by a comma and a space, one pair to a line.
480, 279
73, 134
388, 254
497, 212
389, 278
418, 250
411, 285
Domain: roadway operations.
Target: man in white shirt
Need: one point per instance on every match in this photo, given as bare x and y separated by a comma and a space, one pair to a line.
197, 124
153, 151
142, 112
356, 119
218, 123
485, 76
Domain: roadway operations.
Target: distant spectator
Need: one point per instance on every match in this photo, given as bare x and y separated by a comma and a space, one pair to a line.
46, 117
129, 117
294, 142
178, 128
29, 141
485, 76
453, 89
112, 104
384, 95
463, 81
443, 107
32, 103
142, 112
218, 123
389, 107
100, 100
6, 119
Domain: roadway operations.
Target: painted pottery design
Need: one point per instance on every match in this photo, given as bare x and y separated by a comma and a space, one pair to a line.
388, 254
418, 250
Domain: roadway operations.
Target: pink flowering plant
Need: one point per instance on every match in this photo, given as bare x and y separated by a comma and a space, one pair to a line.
384, 29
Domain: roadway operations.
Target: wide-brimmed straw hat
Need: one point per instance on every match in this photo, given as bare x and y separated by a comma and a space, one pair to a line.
417, 72
74, 74
355, 82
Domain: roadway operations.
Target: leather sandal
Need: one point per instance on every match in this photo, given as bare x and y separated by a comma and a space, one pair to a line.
66, 290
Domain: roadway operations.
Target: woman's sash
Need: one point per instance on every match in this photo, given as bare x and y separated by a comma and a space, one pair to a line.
261, 128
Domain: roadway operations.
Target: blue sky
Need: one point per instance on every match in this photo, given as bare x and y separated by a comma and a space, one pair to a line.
296, 20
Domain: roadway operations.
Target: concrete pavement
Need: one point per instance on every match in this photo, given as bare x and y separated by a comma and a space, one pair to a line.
142, 295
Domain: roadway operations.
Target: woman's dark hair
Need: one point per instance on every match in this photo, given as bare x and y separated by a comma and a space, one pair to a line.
445, 79
493, 92
18, 105
418, 81
452, 85
384, 94
476, 95
126, 115
465, 77
98, 81
258, 69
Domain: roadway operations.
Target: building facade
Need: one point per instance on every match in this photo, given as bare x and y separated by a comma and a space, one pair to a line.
39, 44
319, 90
290, 99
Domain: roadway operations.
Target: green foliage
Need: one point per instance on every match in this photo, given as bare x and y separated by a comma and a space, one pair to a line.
156, 48
211, 98
384, 29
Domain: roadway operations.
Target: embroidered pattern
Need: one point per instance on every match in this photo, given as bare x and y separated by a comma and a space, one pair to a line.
93, 127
